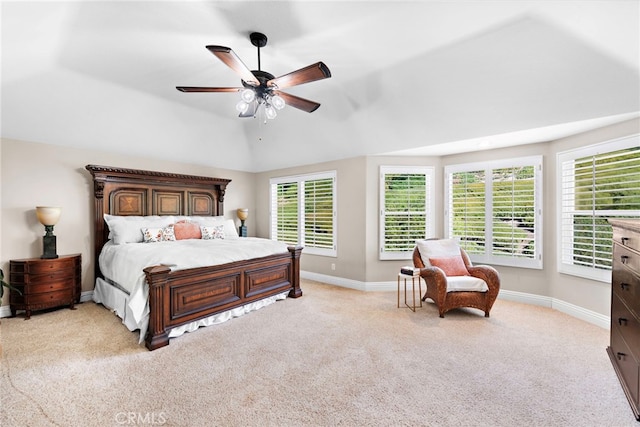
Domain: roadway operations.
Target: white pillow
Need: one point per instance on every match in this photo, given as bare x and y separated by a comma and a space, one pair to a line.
128, 229
437, 249
230, 231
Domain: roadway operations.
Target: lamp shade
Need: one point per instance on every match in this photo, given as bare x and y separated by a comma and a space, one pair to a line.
243, 213
48, 215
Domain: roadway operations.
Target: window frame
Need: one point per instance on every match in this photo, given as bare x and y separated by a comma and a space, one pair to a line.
429, 173
301, 180
534, 262
605, 147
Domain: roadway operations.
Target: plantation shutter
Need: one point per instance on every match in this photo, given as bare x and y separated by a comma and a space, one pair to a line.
303, 212
514, 219
494, 210
405, 200
285, 226
598, 182
467, 210
318, 213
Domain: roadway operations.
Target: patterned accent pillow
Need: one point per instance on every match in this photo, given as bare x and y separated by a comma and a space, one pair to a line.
212, 232
152, 235
168, 234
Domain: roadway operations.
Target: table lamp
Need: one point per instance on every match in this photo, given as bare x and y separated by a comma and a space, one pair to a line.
48, 216
243, 213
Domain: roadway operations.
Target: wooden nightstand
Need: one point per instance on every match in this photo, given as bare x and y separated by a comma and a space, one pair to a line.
45, 283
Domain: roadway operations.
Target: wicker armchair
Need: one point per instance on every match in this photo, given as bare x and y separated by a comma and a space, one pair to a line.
439, 290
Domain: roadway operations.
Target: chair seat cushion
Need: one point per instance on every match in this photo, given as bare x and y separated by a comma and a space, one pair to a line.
466, 283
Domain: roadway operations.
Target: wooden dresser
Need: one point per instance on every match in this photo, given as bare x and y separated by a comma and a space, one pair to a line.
624, 350
45, 283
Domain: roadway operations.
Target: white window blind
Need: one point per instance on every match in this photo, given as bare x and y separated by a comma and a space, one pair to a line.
303, 212
597, 182
405, 209
494, 209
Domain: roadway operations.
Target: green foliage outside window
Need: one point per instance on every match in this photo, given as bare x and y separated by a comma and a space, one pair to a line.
404, 207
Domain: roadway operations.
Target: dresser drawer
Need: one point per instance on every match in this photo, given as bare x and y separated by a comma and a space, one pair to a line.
627, 324
627, 258
627, 364
626, 284
627, 238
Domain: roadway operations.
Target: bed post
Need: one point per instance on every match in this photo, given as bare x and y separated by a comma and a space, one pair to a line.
157, 335
294, 271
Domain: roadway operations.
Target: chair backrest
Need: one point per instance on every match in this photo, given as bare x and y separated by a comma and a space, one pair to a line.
444, 253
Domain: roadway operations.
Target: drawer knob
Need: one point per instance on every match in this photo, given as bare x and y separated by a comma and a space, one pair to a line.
624, 259
624, 286
621, 356
622, 321
624, 240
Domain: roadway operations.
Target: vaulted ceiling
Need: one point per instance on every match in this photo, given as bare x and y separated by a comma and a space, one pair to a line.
425, 77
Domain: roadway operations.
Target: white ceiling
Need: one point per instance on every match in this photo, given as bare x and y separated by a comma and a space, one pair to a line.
414, 77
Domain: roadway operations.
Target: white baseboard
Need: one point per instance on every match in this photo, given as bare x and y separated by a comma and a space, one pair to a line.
556, 304
5, 311
531, 299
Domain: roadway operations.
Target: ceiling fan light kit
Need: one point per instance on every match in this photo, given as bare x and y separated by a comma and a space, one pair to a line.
260, 88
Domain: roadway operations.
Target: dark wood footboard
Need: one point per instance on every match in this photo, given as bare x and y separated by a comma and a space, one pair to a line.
180, 297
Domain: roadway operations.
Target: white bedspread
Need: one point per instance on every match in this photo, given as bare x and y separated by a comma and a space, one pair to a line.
124, 264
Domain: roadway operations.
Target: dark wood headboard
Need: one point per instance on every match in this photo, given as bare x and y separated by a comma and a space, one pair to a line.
119, 191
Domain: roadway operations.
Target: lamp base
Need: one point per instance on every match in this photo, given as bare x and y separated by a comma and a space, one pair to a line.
242, 231
49, 247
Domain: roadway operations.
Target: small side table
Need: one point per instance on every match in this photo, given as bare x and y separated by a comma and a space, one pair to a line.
404, 278
44, 283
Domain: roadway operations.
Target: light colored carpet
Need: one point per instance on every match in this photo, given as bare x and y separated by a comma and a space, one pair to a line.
335, 357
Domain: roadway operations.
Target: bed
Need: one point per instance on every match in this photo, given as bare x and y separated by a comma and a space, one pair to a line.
182, 297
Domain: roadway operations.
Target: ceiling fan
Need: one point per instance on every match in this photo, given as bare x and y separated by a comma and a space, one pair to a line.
262, 88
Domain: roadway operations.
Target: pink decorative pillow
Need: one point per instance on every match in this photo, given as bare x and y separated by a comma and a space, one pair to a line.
186, 230
452, 266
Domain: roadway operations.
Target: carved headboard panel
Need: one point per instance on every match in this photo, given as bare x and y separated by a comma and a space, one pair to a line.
119, 191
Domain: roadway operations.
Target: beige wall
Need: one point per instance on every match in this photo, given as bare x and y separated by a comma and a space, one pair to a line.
358, 233
35, 174
40, 174
351, 216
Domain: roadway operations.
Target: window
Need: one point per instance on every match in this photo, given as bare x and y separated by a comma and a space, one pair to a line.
405, 209
597, 182
495, 210
303, 212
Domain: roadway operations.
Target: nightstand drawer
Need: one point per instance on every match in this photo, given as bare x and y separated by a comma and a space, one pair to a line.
626, 323
41, 278
51, 285
47, 266
64, 296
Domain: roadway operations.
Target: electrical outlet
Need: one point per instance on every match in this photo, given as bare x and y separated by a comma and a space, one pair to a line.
333, 267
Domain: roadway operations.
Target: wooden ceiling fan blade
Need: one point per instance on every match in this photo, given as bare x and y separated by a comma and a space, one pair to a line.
297, 102
208, 89
310, 73
232, 60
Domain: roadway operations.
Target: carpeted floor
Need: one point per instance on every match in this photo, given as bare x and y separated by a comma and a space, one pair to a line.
335, 357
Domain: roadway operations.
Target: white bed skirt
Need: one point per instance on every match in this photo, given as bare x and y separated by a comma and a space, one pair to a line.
117, 301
